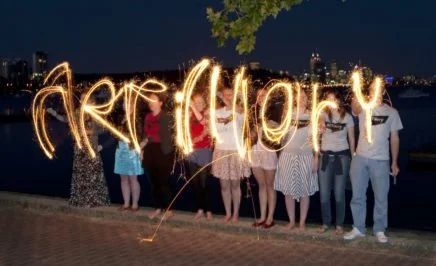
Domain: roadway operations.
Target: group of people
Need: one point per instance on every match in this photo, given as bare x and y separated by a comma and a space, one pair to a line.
297, 171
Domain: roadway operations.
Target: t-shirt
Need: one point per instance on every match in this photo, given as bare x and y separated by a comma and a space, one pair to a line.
301, 142
151, 127
197, 129
385, 120
335, 137
225, 131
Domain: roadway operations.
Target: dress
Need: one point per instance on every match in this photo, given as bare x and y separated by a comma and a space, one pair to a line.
295, 176
127, 161
88, 184
227, 164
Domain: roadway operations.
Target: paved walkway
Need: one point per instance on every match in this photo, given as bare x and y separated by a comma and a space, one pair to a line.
30, 237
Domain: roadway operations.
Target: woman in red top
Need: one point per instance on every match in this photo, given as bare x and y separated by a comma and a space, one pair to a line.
201, 156
158, 153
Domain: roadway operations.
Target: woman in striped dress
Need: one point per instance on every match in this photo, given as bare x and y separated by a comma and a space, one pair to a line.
296, 175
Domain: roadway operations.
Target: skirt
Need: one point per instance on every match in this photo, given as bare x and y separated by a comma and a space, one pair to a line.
200, 157
262, 158
294, 176
229, 167
127, 161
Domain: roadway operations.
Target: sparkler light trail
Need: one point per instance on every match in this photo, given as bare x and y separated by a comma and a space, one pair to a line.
276, 134
184, 139
243, 141
212, 105
131, 94
367, 106
287, 117
38, 112
316, 113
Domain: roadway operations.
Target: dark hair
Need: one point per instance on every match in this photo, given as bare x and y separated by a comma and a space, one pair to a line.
341, 105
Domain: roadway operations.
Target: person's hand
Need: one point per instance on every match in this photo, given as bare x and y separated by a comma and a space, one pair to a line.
99, 148
395, 170
51, 111
315, 165
321, 128
228, 119
197, 139
143, 143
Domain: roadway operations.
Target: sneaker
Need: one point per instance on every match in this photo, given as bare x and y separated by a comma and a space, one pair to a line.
381, 237
353, 234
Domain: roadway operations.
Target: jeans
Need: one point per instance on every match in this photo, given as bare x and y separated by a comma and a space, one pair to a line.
362, 170
327, 179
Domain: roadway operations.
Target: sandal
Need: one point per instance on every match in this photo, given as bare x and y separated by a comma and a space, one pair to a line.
269, 225
258, 224
123, 208
134, 209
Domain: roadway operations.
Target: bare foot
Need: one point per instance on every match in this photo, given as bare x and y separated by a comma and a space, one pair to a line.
227, 218
199, 215
235, 219
209, 216
339, 230
323, 229
154, 214
289, 226
167, 215
302, 227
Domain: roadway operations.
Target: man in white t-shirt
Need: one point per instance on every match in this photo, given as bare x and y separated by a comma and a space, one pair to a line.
371, 162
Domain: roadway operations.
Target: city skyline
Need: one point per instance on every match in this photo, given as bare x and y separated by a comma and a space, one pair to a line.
118, 37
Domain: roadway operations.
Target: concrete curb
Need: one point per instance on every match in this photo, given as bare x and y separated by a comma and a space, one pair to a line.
402, 241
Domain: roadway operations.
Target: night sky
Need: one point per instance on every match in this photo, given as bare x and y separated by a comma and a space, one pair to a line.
393, 37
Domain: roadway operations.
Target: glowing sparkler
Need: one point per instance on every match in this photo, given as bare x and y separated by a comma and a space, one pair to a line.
38, 113
132, 100
188, 88
282, 131
366, 106
316, 113
38, 116
131, 94
242, 141
276, 134
68, 100
213, 91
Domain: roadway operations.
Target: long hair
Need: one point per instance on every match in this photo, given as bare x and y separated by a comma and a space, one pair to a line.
341, 105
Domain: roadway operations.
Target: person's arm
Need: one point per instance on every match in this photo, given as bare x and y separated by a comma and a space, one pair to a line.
356, 108
57, 116
315, 162
395, 148
144, 141
197, 114
352, 140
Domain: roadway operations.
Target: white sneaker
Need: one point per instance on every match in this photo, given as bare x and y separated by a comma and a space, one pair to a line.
381, 237
353, 234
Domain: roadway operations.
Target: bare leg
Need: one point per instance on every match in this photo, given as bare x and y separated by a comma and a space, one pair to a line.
227, 198
236, 197
125, 190
260, 176
271, 195
304, 208
199, 214
290, 208
136, 191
